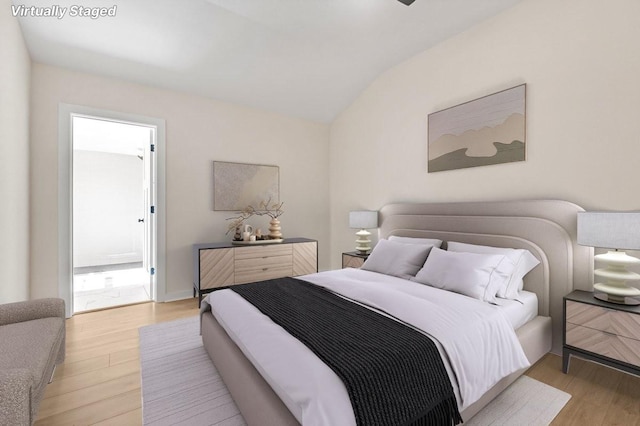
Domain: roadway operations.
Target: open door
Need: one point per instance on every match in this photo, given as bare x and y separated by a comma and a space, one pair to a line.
149, 185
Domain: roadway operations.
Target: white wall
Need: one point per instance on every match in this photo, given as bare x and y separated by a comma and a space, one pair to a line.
15, 69
580, 61
107, 203
198, 131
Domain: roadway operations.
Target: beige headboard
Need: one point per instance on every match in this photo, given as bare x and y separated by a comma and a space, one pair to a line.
547, 228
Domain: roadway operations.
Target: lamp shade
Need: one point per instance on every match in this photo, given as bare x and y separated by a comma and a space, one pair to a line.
613, 230
363, 219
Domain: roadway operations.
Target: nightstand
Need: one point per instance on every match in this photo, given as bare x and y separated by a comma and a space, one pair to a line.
353, 259
600, 331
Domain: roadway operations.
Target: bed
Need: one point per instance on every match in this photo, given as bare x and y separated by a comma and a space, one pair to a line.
546, 228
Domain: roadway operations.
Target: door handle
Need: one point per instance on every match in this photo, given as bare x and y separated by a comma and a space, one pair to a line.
140, 220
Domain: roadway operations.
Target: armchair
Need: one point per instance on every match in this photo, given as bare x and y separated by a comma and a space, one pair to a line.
32, 342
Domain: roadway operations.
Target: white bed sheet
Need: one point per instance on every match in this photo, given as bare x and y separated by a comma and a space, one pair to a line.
314, 393
520, 311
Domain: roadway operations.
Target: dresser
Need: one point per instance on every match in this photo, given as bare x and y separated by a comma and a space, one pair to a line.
223, 264
600, 331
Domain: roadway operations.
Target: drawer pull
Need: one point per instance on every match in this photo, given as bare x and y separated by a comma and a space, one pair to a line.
265, 269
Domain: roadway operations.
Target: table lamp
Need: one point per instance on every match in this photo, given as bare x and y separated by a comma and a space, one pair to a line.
615, 231
363, 220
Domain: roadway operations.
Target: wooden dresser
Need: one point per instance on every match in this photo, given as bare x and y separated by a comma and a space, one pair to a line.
222, 264
603, 332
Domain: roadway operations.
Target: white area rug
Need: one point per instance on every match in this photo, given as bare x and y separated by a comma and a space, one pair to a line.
526, 402
180, 386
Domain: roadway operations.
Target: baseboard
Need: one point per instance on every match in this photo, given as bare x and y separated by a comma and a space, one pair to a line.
177, 295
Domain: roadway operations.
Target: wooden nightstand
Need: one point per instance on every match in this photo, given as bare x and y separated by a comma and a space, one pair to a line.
599, 331
353, 259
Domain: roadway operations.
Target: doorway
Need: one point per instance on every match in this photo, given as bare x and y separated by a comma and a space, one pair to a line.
113, 245
154, 262
112, 229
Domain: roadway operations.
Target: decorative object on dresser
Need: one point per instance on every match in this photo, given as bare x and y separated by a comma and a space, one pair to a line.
363, 220
223, 264
353, 259
602, 332
613, 230
265, 208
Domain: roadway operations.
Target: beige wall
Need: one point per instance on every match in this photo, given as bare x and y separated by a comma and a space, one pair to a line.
579, 60
198, 131
15, 68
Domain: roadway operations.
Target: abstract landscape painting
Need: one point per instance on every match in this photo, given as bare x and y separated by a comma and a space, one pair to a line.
238, 185
488, 130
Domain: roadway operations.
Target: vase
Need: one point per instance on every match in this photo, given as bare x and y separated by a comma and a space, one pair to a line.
274, 229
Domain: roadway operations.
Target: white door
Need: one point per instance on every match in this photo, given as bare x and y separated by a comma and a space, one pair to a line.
150, 223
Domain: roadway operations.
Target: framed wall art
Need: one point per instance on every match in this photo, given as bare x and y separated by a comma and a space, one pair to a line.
485, 131
238, 185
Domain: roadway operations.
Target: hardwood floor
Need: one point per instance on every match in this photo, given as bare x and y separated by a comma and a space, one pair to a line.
599, 395
99, 382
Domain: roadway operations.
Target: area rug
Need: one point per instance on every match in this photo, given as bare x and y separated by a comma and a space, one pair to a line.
180, 386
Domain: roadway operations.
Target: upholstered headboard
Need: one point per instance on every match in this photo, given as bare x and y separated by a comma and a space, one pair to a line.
547, 228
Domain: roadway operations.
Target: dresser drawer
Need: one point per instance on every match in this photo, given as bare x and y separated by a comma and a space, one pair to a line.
258, 252
305, 258
623, 324
260, 263
216, 268
603, 343
266, 273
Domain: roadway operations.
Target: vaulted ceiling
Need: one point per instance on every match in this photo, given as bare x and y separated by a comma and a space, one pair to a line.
304, 58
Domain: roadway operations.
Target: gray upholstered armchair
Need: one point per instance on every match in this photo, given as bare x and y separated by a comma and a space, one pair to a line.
32, 342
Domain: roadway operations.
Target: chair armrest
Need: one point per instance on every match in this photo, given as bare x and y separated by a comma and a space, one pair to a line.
11, 313
15, 396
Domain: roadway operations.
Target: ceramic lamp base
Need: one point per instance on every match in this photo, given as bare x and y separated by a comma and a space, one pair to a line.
615, 289
629, 301
363, 243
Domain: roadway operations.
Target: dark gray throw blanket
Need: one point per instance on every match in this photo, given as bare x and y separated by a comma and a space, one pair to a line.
394, 374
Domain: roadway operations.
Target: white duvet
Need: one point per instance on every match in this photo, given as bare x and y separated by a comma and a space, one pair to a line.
478, 344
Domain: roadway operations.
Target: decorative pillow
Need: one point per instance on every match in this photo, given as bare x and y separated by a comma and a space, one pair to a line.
517, 264
411, 240
397, 259
475, 275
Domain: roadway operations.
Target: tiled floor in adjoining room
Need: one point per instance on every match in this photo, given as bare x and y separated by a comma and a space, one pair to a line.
107, 288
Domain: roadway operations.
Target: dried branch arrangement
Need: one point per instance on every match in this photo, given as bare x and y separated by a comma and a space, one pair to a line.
266, 208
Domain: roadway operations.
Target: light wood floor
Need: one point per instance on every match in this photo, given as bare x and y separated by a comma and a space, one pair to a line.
99, 382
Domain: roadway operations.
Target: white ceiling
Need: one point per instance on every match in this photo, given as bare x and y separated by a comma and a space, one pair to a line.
305, 58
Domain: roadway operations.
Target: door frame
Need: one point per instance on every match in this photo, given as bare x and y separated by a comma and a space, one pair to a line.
65, 191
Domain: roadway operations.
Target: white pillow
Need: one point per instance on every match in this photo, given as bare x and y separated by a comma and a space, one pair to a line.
517, 264
397, 259
475, 275
411, 240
